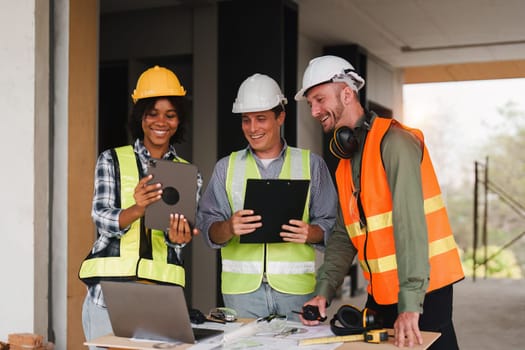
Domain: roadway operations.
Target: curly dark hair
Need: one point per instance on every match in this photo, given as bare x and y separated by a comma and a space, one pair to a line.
145, 105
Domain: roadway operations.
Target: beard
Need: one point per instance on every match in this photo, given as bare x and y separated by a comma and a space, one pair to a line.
329, 124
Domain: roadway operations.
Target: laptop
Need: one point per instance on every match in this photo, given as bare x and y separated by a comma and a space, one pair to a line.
277, 201
179, 193
151, 312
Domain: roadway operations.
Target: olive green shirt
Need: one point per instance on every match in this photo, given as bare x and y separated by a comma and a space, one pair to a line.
401, 152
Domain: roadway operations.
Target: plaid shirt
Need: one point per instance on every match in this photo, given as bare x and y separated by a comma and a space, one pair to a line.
106, 205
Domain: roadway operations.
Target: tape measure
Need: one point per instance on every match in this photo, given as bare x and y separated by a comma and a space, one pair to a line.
372, 336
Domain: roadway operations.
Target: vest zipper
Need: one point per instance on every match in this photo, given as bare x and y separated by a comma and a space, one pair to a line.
367, 265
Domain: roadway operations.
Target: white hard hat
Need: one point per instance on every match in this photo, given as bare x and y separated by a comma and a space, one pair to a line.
258, 93
328, 69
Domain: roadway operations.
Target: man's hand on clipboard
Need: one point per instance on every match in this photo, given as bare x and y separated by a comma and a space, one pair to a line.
298, 231
244, 221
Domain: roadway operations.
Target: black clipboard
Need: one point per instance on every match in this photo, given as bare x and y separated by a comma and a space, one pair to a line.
277, 201
179, 186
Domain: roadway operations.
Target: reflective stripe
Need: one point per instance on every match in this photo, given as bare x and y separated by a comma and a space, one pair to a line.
388, 263
237, 167
277, 267
160, 271
355, 230
237, 266
383, 264
129, 263
376, 201
299, 164
112, 267
434, 204
378, 222
441, 246
290, 268
242, 166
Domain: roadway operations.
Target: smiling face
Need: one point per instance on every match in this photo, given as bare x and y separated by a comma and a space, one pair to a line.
262, 130
326, 104
159, 124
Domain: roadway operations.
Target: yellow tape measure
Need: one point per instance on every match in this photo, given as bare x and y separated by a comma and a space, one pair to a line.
373, 336
334, 339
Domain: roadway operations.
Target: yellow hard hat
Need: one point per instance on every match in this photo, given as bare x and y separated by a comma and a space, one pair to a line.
157, 81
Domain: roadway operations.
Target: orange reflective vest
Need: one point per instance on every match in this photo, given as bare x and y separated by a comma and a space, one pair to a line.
377, 236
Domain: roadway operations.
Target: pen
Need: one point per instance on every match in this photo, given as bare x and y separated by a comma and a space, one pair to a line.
271, 317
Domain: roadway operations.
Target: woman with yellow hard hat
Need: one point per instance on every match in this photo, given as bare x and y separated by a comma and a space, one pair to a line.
125, 249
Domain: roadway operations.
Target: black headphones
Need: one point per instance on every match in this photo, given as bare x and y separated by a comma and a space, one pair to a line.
354, 321
343, 143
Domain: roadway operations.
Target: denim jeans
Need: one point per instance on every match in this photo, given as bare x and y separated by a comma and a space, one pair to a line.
265, 301
95, 320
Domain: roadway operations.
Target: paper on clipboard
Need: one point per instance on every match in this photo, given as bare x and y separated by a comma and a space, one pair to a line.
277, 201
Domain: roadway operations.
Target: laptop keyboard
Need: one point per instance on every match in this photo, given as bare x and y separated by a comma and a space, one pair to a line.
203, 333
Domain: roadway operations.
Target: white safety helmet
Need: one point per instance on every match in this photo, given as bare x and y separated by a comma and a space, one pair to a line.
258, 93
328, 69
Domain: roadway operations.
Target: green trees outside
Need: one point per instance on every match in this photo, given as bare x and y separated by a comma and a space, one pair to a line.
456, 140
503, 154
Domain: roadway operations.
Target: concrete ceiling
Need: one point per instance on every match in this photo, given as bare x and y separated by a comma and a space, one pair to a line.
406, 33
467, 39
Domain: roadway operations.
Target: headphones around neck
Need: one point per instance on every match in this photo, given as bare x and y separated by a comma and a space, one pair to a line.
343, 143
354, 321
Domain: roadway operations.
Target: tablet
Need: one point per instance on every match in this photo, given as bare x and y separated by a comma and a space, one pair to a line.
179, 193
277, 201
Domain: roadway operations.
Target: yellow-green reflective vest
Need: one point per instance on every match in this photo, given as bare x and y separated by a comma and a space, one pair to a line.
290, 267
142, 255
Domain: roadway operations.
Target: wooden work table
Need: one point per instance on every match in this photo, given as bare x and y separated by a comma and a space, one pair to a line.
116, 343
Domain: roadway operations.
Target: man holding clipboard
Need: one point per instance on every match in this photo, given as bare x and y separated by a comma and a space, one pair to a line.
263, 278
